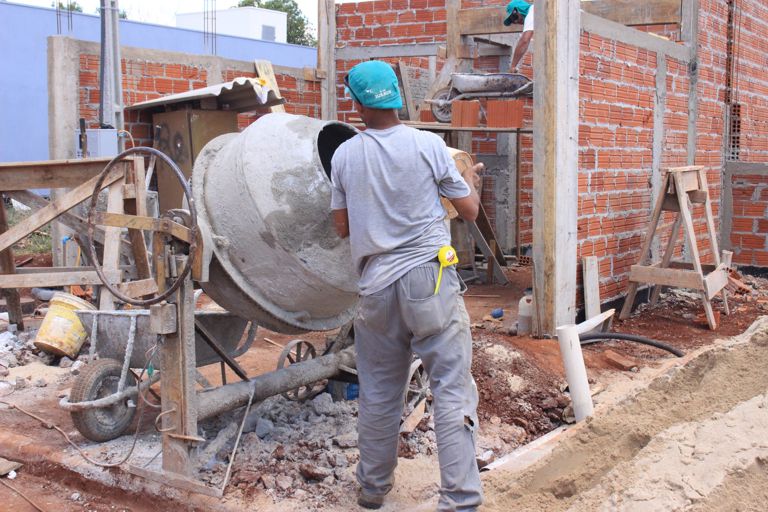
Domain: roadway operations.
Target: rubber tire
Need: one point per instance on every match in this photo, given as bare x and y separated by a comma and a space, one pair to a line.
442, 114
102, 424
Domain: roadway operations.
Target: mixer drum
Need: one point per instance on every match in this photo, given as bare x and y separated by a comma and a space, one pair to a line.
264, 194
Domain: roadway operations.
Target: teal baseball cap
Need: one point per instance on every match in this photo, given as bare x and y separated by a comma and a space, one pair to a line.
516, 8
373, 84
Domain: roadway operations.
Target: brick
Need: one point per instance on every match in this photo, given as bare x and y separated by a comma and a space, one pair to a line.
465, 113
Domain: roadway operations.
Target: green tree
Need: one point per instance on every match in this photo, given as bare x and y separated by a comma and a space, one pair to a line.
121, 14
69, 6
299, 28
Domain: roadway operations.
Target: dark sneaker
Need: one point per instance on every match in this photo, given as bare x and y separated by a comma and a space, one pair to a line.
370, 501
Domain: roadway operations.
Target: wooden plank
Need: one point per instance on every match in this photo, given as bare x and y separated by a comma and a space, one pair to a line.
484, 225
490, 20
326, 57
54, 278
668, 252
591, 278
8, 266
715, 281
138, 206
387, 51
624, 34
265, 72
667, 277
482, 244
49, 173
78, 224
555, 161
410, 106
446, 127
117, 220
140, 288
55, 208
111, 255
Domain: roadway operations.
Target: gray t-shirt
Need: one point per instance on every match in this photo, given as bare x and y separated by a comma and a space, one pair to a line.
391, 181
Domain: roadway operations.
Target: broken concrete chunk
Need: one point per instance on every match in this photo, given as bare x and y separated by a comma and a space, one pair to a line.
264, 427
312, 472
284, 482
346, 440
21, 383
323, 404
486, 458
76, 367
65, 362
268, 481
40, 383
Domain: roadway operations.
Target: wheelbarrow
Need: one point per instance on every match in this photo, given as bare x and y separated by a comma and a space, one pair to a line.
101, 403
468, 86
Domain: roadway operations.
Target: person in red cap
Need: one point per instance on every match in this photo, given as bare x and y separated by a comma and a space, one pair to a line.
385, 195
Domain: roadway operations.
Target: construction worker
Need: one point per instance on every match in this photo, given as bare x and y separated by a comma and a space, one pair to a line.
386, 188
520, 11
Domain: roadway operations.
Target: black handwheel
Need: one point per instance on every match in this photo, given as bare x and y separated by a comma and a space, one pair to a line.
154, 153
99, 379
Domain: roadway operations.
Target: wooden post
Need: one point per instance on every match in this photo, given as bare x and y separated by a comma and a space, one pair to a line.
326, 57
555, 160
8, 266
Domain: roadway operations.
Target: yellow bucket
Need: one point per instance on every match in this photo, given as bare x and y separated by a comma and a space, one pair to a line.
62, 333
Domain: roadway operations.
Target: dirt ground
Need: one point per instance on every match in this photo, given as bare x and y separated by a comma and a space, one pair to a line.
647, 441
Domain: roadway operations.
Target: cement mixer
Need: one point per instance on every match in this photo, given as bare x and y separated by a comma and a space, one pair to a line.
257, 236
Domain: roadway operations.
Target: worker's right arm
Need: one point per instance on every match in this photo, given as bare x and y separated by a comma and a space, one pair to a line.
520, 49
469, 206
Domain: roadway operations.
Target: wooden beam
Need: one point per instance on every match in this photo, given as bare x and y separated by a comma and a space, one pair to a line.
111, 256
8, 266
265, 71
591, 279
555, 161
76, 223
56, 207
387, 51
49, 174
326, 57
118, 220
623, 34
53, 278
490, 20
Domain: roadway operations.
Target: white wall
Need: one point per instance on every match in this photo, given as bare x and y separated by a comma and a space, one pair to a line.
240, 22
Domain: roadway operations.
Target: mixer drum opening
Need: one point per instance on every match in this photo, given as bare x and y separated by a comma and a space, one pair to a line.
328, 141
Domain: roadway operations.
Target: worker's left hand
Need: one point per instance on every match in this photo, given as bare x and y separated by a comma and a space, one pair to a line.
472, 176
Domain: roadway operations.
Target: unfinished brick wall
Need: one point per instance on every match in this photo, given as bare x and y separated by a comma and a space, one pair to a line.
145, 80
749, 215
616, 126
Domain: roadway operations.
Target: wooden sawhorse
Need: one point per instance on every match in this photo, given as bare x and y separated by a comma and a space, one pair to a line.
681, 187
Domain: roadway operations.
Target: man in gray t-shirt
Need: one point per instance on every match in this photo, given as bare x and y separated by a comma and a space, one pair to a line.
386, 188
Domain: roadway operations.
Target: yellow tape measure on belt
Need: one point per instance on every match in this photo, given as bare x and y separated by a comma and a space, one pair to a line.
447, 257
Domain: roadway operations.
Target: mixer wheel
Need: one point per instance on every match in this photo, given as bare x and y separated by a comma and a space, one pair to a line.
99, 379
294, 352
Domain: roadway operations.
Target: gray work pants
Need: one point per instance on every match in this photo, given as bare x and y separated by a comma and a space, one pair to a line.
407, 316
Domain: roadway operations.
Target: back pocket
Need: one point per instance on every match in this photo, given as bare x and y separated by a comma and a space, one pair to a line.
425, 313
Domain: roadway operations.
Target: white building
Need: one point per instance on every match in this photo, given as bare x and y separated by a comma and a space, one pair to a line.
248, 22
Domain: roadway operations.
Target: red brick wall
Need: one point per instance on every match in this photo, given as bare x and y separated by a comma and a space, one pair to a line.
144, 80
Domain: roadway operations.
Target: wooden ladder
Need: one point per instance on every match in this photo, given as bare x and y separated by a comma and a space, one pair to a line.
681, 187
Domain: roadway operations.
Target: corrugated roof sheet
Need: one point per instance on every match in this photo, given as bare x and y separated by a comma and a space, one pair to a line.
241, 95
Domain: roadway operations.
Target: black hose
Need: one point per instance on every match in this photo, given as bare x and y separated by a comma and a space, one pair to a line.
595, 337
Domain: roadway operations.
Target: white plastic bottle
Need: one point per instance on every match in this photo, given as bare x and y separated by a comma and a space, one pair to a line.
525, 313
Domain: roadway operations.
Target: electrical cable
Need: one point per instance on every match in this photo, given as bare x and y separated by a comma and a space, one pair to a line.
29, 500
590, 338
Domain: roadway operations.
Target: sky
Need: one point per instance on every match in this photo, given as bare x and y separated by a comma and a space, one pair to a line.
163, 12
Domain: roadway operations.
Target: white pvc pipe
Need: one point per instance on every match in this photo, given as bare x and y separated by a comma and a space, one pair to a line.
575, 371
